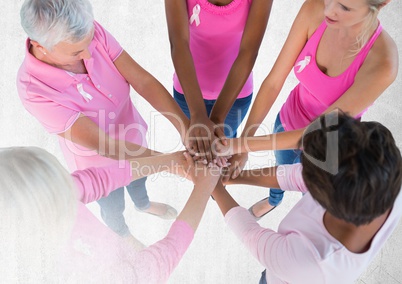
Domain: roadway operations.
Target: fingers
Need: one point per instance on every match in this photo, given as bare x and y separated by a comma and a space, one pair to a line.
207, 151
236, 172
221, 135
227, 173
189, 159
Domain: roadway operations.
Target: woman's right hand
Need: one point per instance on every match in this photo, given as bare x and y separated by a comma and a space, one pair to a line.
203, 176
201, 135
237, 163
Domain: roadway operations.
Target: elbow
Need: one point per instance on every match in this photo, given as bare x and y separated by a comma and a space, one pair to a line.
178, 46
247, 58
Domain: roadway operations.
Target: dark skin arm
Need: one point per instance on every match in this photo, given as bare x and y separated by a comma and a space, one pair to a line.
250, 43
201, 129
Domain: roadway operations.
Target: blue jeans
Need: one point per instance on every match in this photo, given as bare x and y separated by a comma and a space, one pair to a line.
283, 157
263, 279
112, 206
233, 118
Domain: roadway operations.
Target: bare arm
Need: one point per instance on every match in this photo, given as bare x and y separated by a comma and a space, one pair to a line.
273, 83
250, 43
277, 141
378, 71
153, 91
224, 200
86, 133
201, 129
265, 177
205, 179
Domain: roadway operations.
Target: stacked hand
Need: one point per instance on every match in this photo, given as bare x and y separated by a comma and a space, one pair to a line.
204, 139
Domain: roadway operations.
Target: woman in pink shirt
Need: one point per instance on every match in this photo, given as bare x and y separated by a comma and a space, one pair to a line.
214, 45
75, 79
342, 58
351, 204
47, 236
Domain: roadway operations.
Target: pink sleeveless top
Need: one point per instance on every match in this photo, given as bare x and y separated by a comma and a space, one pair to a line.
316, 90
215, 35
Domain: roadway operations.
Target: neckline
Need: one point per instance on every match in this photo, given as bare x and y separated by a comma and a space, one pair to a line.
324, 24
220, 9
372, 242
220, 5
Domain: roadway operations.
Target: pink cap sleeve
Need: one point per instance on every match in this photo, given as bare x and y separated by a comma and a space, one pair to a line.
110, 44
54, 117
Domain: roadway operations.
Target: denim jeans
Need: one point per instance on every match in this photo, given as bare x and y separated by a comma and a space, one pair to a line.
112, 206
233, 118
283, 157
263, 279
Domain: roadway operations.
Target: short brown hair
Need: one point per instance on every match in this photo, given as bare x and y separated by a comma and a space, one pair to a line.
369, 173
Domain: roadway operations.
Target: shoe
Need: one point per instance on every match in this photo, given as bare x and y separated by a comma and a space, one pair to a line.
161, 210
265, 200
133, 242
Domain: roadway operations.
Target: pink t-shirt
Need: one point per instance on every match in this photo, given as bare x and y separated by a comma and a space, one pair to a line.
95, 254
215, 36
56, 98
316, 90
302, 251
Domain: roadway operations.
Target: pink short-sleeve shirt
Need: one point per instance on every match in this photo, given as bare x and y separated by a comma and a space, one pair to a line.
56, 98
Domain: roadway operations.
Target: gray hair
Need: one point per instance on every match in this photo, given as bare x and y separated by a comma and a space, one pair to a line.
51, 21
38, 202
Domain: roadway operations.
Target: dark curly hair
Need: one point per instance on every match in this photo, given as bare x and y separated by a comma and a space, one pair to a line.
352, 168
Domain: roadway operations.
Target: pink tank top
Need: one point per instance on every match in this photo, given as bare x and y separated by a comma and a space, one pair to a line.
215, 35
316, 90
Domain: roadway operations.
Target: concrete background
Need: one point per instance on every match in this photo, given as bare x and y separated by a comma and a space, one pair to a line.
215, 256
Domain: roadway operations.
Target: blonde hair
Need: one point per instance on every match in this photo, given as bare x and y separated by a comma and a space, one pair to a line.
364, 36
38, 202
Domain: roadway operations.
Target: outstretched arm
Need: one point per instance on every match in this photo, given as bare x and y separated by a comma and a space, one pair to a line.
162, 257
273, 83
153, 91
86, 133
94, 183
250, 44
202, 130
265, 177
277, 141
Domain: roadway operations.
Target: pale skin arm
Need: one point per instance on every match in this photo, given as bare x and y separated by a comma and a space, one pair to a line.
265, 177
273, 83
380, 66
171, 162
278, 141
250, 43
201, 129
205, 179
224, 200
153, 91
86, 133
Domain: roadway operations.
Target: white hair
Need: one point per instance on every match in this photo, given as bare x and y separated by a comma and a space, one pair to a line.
52, 21
38, 209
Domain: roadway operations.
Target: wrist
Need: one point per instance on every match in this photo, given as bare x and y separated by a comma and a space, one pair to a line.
217, 119
198, 113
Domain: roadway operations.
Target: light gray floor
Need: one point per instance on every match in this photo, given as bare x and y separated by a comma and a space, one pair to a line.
215, 256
